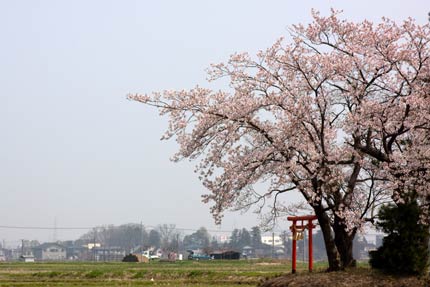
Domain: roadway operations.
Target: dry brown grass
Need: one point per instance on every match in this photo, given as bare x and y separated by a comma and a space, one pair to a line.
359, 277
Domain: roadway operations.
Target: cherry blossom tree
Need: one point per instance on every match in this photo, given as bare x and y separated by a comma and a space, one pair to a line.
340, 113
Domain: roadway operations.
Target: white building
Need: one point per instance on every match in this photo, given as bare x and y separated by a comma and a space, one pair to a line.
26, 258
270, 239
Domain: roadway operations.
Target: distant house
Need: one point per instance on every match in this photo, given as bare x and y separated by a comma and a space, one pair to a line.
108, 254
50, 252
272, 240
26, 258
74, 251
248, 252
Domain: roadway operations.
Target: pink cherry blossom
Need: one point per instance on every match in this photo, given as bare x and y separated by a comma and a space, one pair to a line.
340, 113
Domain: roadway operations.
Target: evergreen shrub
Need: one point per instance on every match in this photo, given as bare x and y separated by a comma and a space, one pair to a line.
405, 249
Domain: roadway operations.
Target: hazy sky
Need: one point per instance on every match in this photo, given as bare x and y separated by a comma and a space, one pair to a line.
73, 150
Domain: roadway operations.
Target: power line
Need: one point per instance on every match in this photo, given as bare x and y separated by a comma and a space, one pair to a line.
43, 227
89, 228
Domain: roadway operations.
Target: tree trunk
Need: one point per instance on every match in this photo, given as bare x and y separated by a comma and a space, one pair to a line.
344, 242
334, 263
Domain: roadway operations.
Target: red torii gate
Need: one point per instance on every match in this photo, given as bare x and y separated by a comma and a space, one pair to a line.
299, 228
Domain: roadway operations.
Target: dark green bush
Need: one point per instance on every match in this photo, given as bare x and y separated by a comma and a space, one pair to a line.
130, 258
405, 248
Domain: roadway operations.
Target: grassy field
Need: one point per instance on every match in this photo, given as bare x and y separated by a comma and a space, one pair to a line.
182, 273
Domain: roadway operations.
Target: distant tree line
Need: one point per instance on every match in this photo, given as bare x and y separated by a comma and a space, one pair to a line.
132, 235
168, 238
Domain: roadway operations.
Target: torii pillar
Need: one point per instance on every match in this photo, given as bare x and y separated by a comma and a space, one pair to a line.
294, 228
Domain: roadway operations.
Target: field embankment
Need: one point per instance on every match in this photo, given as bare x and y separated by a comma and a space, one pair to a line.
357, 277
264, 273
181, 273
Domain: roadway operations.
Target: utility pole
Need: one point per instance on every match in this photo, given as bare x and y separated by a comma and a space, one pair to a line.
177, 244
141, 238
22, 247
94, 246
273, 245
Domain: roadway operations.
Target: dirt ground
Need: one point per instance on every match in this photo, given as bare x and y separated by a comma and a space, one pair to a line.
350, 278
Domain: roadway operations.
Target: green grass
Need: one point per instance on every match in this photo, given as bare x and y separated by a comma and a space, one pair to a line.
182, 273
